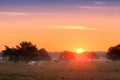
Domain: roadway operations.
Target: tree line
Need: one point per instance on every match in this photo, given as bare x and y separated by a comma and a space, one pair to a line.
26, 52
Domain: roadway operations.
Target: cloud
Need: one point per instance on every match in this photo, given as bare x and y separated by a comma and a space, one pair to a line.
90, 7
98, 7
47, 14
30, 13
69, 27
99, 3
13, 13
103, 5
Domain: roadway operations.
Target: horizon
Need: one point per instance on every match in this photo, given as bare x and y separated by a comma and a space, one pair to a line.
92, 25
75, 51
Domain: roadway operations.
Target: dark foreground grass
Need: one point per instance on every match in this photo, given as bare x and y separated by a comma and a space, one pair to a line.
63, 71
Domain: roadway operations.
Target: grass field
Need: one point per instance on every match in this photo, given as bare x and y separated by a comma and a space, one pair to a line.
63, 71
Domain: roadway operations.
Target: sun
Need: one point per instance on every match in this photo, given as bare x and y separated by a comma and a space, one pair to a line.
79, 51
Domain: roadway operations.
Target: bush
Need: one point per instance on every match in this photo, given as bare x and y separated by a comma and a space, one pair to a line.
114, 53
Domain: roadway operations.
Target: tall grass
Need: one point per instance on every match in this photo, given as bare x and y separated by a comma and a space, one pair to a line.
63, 71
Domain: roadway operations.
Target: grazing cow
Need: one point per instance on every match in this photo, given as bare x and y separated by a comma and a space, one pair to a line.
41, 62
36, 62
32, 62
57, 61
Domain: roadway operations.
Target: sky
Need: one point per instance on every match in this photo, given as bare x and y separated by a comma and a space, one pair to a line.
59, 25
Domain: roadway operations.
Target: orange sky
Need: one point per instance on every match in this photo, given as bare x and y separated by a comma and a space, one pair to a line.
49, 32
92, 30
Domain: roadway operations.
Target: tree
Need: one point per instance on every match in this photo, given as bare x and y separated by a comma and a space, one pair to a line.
25, 51
114, 53
10, 54
43, 55
92, 55
66, 55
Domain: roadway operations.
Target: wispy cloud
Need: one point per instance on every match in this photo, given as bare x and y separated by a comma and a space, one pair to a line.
98, 3
13, 13
69, 27
90, 7
47, 14
29, 13
97, 7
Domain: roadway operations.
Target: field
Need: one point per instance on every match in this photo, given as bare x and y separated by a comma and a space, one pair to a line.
62, 71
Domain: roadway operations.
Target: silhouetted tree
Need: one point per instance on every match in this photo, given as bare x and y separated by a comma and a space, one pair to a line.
43, 55
114, 53
66, 55
11, 54
92, 55
25, 51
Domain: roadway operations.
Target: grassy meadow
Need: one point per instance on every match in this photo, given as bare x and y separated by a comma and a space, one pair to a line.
63, 71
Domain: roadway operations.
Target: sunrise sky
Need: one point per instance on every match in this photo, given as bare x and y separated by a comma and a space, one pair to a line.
59, 25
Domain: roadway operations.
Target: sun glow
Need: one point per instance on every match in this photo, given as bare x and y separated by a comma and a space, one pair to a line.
79, 51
